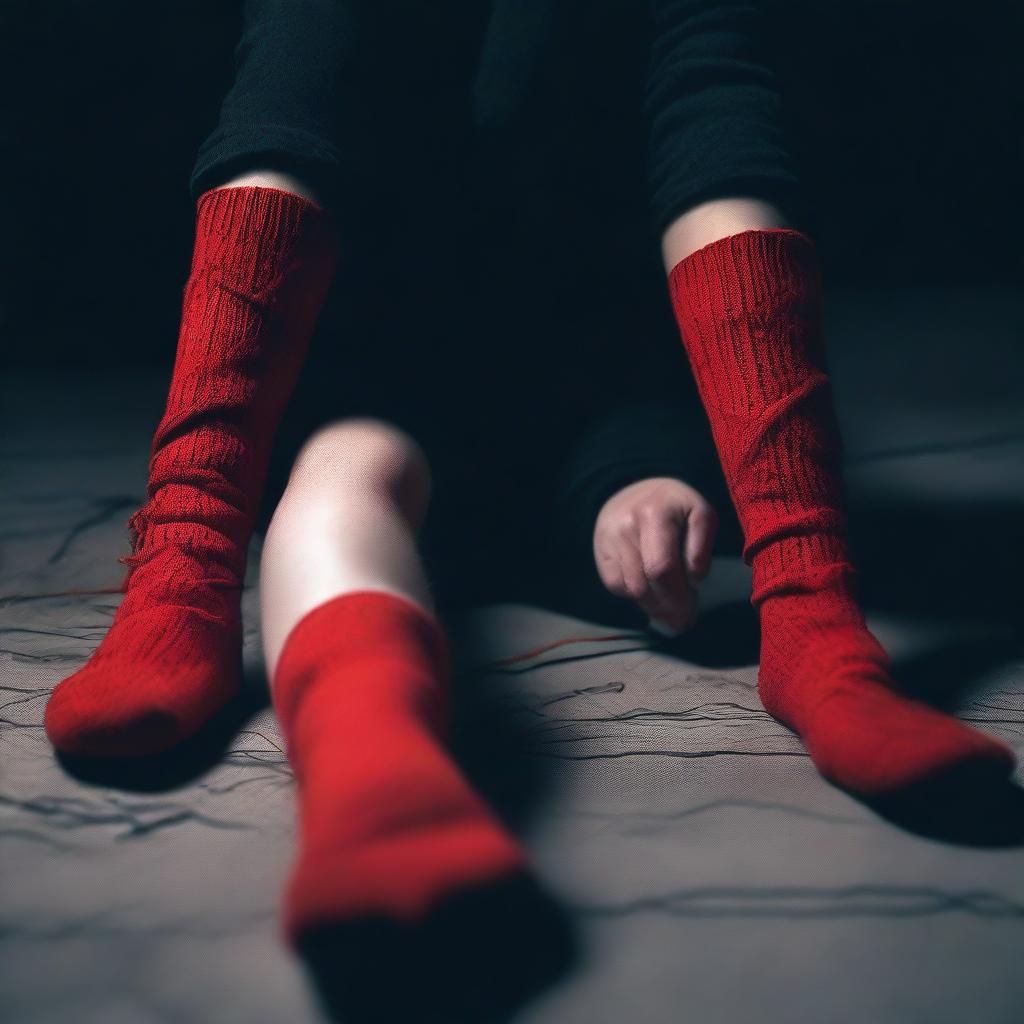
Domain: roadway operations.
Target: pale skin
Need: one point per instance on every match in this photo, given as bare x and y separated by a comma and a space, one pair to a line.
360, 488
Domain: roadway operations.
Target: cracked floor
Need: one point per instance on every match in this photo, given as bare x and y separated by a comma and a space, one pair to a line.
710, 874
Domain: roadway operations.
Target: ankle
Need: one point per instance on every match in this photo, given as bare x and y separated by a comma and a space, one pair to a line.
811, 642
812, 609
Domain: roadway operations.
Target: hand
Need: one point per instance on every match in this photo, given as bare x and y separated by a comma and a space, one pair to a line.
652, 544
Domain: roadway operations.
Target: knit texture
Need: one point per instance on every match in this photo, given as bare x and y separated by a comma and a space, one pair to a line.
389, 827
262, 262
749, 307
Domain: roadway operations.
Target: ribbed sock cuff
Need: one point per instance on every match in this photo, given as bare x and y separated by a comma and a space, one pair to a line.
263, 235
745, 270
352, 627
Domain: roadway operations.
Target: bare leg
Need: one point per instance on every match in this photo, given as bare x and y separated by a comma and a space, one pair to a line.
347, 521
263, 178
713, 220
390, 828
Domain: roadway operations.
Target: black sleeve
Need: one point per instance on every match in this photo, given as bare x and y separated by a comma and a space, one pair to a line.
295, 103
713, 110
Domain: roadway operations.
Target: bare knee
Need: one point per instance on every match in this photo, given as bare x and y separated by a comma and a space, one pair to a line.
362, 457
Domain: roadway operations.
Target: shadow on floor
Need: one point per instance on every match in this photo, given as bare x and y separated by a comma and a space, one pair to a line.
477, 958
969, 806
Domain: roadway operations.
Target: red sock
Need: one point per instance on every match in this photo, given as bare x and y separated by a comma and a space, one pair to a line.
389, 827
261, 265
749, 309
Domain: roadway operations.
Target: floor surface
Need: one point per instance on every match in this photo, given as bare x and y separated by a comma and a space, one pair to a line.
707, 872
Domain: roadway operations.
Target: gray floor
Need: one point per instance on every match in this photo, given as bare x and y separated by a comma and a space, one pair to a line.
709, 873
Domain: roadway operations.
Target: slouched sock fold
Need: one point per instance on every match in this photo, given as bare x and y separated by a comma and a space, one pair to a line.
262, 263
749, 311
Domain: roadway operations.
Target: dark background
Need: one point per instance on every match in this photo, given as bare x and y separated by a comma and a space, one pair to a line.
905, 117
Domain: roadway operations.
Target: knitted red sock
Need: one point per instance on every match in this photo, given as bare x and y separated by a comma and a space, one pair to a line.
262, 262
389, 826
749, 309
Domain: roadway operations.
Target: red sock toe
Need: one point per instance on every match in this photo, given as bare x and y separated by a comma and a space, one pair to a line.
165, 666
389, 827
825, 675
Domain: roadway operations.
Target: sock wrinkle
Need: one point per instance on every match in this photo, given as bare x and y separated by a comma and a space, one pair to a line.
197, 426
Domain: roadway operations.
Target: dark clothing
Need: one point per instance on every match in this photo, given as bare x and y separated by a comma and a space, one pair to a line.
676, 93
502, 173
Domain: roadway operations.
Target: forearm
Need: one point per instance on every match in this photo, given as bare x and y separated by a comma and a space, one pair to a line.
715, 219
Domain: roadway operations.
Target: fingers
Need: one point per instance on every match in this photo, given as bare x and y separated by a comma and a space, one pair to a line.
701, 530
671, 598
643, 562
653, 544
